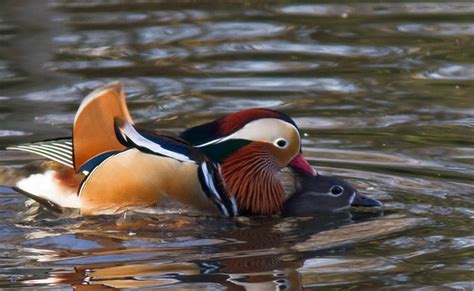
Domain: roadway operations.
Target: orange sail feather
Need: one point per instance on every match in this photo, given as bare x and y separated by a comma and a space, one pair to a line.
93, 129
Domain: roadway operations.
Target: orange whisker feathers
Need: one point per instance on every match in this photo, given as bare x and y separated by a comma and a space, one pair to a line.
251, 177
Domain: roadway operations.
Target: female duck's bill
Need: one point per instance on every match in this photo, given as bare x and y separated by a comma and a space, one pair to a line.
323, 194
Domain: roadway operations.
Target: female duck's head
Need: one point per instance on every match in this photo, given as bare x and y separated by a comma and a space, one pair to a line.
324, 194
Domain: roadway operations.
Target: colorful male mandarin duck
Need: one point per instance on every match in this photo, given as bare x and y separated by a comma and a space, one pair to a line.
230, 165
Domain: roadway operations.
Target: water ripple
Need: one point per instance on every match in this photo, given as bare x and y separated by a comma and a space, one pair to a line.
232, 104
6, 133
233, 30
94, 38
350, 122
272, 84
378, 9
444, 29
166, 34
300, 48
451, 72
255, 66
64, 93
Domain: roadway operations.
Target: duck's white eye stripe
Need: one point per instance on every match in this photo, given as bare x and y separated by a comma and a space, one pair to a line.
263, 129
281, 143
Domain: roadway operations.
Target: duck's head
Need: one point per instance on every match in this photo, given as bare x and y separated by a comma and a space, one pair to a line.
251, 147
323, 194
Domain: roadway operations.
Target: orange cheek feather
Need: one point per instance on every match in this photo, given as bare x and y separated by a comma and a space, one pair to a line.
250, 177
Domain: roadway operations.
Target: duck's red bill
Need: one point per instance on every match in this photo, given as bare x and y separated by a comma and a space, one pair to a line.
299, 163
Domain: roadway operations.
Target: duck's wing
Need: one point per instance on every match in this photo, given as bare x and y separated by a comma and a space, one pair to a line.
152, 143
59, 150
93, 128
169, 146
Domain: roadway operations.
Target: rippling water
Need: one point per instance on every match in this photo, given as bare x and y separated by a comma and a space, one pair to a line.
383, 92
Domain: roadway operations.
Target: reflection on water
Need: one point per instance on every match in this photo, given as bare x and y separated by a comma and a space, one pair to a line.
381, 90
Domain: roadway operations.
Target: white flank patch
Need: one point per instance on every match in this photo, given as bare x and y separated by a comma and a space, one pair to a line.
45, 186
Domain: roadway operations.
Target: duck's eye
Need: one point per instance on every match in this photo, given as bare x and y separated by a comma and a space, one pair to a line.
336, 190
281, 143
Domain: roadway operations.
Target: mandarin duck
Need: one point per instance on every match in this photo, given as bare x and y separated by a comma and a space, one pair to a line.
324, 194
229, 165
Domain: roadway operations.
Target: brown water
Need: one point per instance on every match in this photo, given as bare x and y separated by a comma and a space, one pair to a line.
383, 92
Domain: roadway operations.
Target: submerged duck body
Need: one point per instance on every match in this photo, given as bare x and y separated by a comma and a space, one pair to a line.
229, 165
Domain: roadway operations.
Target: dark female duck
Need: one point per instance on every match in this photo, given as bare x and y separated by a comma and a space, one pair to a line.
322, 194
230, 165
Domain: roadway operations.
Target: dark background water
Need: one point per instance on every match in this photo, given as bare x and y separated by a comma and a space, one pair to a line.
383, 92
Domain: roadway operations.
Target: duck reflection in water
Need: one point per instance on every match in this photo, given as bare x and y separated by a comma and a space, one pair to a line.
264, 239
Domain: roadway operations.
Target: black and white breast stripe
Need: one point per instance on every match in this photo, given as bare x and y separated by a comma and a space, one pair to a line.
57, 150
211, 183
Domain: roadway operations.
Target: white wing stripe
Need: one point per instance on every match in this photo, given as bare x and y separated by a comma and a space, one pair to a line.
210, 183
235, 209
45, 150
213, 194
45, 154
129, 132
209, 142
57, 149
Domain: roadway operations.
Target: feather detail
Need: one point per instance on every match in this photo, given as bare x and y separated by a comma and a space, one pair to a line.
59, 150
232, 122
155, 144
93, 129
216, 130
212, 185
251, 178
58, 186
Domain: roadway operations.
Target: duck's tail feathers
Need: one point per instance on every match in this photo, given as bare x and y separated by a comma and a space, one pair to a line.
59, 150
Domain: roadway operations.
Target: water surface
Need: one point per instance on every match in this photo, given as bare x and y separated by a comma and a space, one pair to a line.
383, 93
